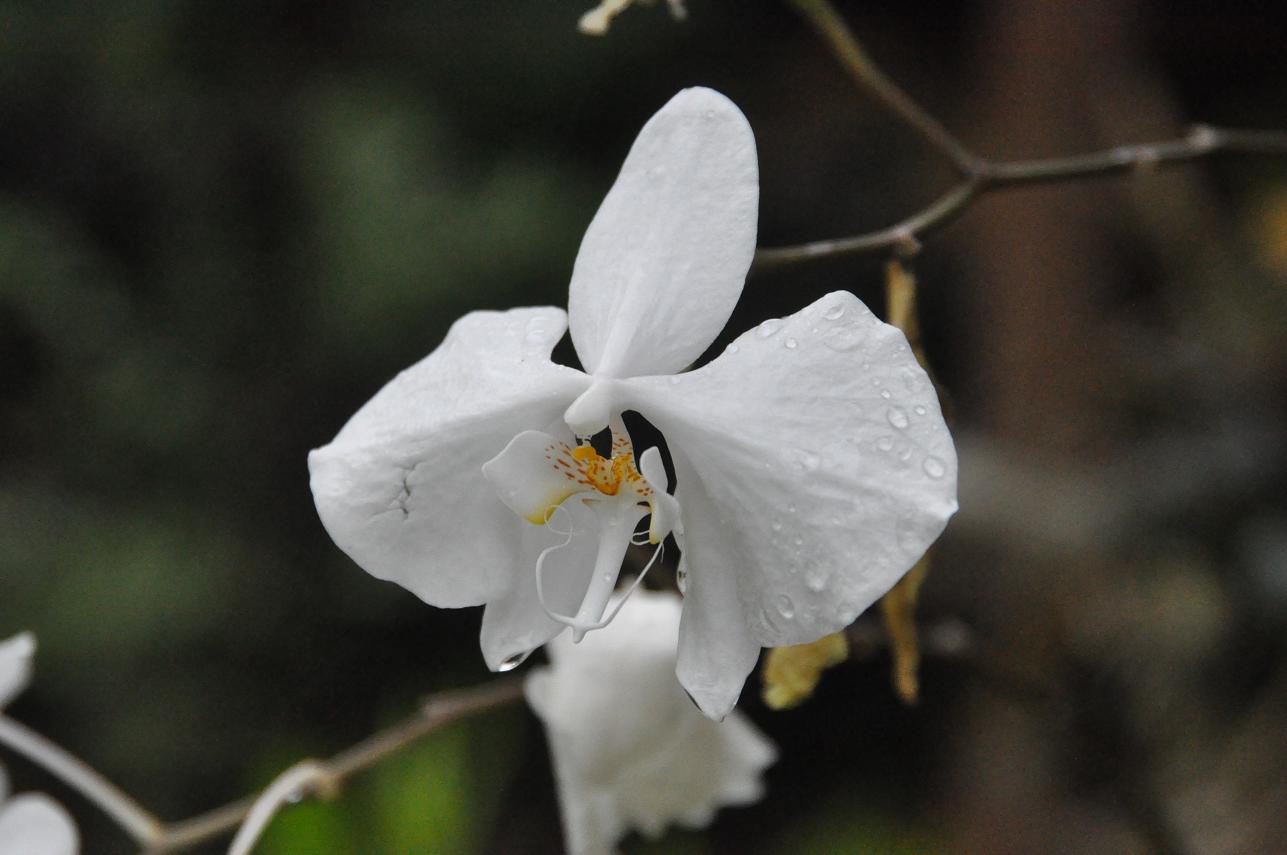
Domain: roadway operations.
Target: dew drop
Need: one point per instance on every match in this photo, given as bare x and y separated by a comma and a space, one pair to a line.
769, 327
732, 348
786, 608
835, 313
791, 344
934, 467
509, 663
681, 581
843, 338
919, 410
885, 443
897, 417
885, 393
815, 578
905, 453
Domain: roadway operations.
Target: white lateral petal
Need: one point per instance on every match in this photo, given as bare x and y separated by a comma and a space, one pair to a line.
401, 489
34, 824
820, 443
717, 648
515, 623
664, 259
15, 665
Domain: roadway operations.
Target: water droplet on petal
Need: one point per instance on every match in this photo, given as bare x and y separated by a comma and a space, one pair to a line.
791, 344
808, 461
834, 313
681, 580
732, 348
675, 379
885, 443
509, 663
815, 578
919, 410
769, 327
777, 525
843, 338
897, 417
905, 453
934, 467
786, 608
884, 393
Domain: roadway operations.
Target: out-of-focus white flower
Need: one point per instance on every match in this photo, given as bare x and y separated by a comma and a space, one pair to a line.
32, 823
596, 21
630, 750
813, 466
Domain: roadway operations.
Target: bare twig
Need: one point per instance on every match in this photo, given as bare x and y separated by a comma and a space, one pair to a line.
826, 21
980, 175
311, 778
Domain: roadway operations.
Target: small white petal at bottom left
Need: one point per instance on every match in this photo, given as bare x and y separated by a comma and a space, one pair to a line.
15, 665
401, 488
34, 824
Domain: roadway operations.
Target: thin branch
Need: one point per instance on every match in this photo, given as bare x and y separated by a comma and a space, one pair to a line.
311, 778
128, 814
828, 24
1201, 141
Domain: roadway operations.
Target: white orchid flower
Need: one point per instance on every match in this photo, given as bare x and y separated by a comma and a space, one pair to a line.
629, 751
32, 823
812, 463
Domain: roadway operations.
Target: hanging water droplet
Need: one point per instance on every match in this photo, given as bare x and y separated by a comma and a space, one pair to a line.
934, 467
884, 393
509, 663
786, 608
769, 327
885, 443
791, 344
835, 313
897, 417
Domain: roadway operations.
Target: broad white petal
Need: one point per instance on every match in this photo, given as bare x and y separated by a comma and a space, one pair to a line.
515, 623
401, 489
819, 442
717, 648
629, 750
34, 824
15, 665
664, 259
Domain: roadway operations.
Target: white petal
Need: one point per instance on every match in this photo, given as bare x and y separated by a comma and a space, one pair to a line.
34, 824
15, 665
534, 474
717, 648
820, 443
664, 260
629, 749
515, 623
401, 488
